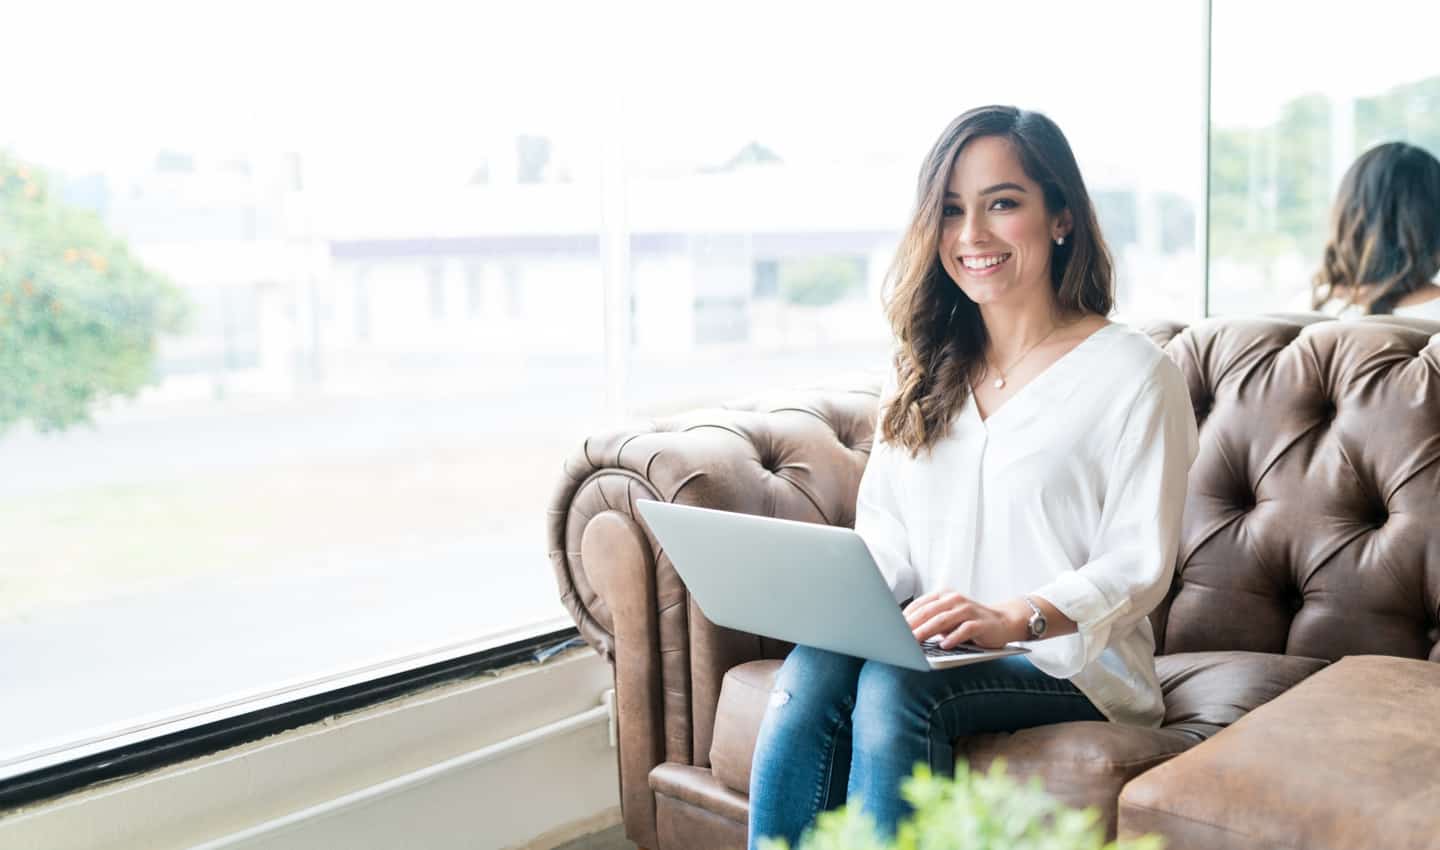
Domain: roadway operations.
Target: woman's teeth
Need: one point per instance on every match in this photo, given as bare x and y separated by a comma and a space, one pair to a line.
984, 262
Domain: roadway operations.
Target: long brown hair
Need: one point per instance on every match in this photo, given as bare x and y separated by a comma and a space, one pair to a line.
1384, 229
940, 336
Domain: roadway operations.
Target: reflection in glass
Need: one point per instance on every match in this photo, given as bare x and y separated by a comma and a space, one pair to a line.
1284, 132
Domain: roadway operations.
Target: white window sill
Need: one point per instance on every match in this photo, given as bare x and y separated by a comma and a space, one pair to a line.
499, 762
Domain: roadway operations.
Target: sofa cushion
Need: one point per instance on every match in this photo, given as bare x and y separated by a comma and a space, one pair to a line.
1346, 759
1207, 691
743, 697
1084, 763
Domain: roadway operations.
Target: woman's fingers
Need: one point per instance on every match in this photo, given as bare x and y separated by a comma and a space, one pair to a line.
950, 616
920, 602
938, 624
966, 632
927, 606
958, 623
944, 621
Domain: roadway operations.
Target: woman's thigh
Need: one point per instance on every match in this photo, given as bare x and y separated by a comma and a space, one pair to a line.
906, 717
812, 681
1003, 695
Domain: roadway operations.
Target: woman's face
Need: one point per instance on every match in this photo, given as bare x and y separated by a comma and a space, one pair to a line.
996, 236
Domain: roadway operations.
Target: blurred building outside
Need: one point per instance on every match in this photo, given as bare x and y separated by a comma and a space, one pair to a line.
474, 286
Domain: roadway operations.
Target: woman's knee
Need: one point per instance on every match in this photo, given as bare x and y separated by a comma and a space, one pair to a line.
884, 686
888, 699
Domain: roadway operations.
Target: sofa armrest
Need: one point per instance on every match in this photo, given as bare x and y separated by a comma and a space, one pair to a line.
622, 570
797, 456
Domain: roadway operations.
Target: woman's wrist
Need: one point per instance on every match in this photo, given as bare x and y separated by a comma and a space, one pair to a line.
1017, 614
1056, 623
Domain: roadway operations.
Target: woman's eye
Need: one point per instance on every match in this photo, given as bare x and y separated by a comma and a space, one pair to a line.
1009, 204
950, 209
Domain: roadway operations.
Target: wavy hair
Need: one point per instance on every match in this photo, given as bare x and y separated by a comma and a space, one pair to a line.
939, 334
1384, 229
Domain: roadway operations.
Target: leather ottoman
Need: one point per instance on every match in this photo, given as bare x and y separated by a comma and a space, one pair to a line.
1349, 758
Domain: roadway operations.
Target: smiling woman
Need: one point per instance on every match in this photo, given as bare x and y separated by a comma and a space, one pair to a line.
998, 520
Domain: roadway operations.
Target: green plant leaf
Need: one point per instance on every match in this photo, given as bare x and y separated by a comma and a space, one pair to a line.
969, 811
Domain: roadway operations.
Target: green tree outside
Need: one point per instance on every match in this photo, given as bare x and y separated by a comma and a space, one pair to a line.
80, 316
1270, 187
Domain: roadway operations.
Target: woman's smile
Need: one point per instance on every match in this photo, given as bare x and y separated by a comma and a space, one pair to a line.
980, 265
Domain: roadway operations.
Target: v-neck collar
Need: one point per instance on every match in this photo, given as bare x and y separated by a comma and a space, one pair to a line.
986, 421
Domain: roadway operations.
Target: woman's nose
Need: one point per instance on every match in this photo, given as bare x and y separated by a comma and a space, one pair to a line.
970, 232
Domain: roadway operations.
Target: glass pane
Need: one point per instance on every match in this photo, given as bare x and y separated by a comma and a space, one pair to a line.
1284, 132
330, 296
770, 174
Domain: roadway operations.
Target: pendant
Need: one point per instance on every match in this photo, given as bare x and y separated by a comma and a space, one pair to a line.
999, 383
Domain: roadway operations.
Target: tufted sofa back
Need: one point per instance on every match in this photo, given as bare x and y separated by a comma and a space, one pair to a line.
1312, 524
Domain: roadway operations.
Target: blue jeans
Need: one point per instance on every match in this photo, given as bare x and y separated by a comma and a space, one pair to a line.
840, 727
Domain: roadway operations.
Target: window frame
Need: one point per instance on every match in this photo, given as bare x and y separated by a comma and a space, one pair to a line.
532, 644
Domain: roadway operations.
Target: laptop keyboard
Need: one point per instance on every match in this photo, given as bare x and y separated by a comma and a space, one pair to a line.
933, 649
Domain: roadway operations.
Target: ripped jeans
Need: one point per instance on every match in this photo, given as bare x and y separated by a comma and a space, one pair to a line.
839, 727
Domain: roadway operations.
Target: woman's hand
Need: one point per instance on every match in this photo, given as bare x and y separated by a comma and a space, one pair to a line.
957, 619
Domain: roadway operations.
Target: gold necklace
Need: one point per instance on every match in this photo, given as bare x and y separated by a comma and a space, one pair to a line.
999, 383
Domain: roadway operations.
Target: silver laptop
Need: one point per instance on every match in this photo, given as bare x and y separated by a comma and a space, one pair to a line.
801, 582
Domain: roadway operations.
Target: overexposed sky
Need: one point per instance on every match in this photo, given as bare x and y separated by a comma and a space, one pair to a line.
416, 92
1269, 51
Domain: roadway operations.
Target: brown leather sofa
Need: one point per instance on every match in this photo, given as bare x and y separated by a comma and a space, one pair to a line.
1311, 533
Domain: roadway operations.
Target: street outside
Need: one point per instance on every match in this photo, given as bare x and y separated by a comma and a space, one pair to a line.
187, 553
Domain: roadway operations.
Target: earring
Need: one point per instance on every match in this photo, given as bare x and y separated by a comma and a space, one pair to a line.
1059, 240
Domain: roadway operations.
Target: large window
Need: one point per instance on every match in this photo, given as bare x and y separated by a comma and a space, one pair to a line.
1287, 123
365, 249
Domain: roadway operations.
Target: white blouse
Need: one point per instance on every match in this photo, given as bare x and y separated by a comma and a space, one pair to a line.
1072, 490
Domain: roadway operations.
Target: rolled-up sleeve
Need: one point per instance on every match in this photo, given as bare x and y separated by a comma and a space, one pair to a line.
878, 514
1132, 561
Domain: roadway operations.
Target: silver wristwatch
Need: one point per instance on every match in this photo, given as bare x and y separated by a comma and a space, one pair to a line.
1037, 619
